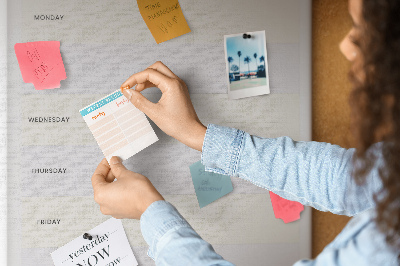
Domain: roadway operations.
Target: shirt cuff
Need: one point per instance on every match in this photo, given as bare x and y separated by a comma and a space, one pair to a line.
158, 219
222, 148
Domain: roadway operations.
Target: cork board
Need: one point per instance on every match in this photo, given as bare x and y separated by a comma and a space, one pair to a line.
331, 88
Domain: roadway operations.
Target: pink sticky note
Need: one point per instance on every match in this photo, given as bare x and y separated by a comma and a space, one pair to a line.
41, 63
284, 209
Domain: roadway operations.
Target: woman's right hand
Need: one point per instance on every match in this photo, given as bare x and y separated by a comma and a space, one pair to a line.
174, 113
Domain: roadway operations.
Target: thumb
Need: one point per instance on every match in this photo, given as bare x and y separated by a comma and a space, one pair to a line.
117, 167
138, 100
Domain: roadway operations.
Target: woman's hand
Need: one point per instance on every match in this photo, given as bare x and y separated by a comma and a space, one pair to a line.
127, 197
174, 113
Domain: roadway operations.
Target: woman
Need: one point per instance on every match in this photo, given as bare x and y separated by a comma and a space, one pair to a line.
363, 183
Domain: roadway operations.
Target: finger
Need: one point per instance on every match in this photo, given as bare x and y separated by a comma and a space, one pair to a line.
105, 210
110, 177
100, 174
159, 80
140, 102
118, 169
142, 86
160, 67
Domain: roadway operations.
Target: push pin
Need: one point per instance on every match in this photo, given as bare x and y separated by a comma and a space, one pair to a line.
246, 36
87, 236
125, 88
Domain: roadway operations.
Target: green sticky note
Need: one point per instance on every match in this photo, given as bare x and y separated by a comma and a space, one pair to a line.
209, 186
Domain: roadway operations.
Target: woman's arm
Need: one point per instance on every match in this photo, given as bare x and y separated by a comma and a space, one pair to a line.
171, 240
312, 173
315, 174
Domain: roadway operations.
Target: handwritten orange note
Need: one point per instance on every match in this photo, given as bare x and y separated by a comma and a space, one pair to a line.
41, 63
164, 18
284, 209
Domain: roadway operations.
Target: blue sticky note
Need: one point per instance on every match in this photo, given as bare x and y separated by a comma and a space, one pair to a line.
209, 186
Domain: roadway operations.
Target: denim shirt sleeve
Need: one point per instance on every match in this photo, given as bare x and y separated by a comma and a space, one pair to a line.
172, 241
312, 173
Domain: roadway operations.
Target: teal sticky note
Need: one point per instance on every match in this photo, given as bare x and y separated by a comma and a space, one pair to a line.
209, 186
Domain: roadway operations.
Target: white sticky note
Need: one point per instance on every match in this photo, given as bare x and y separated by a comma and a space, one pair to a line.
109, 246
118, 126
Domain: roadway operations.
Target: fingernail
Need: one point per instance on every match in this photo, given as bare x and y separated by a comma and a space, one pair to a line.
129, 93
115, 160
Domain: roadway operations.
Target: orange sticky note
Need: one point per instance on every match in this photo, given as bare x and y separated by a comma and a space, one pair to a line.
284, 209
41, 63
164, 18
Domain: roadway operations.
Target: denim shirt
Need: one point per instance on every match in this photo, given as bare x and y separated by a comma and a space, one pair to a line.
312, 173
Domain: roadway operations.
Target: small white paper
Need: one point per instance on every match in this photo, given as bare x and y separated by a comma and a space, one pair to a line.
118, 126
108, 247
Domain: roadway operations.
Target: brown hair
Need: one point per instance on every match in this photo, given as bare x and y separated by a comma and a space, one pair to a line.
375, 103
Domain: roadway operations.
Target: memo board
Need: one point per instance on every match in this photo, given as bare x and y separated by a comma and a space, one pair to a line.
102, 44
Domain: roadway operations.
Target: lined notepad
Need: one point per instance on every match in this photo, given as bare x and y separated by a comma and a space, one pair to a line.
118, 126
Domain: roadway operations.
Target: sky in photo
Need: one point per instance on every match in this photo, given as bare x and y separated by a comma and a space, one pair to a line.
248, 47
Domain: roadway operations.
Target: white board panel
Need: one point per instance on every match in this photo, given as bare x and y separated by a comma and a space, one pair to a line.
104, 42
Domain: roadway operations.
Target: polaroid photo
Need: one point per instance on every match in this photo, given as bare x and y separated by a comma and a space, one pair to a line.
246, 64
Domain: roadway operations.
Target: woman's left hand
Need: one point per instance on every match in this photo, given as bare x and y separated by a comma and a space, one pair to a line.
127, 197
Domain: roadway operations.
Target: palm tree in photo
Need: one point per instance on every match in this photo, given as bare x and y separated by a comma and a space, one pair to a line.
255, 57
239, 54
247, 60
230, 60
262, 59
234, 68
